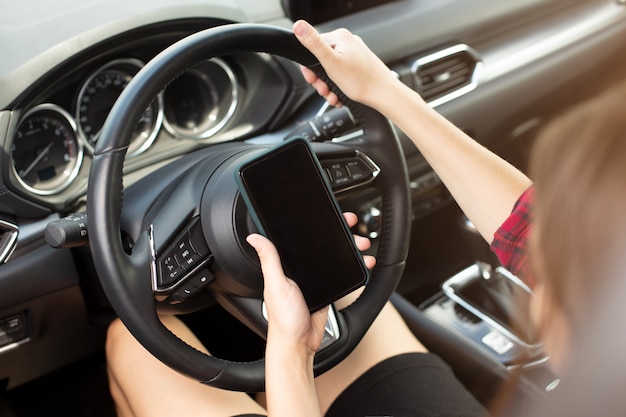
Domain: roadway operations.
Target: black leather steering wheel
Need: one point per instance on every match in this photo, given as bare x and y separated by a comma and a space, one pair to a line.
127, 275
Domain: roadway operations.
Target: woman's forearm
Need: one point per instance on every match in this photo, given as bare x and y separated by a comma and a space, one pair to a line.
289, 380
483, 184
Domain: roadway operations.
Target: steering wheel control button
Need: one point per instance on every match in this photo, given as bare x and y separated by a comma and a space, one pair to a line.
193, 285
202, 278
338, 174
188, 252
170, 269
346, 173
357, 170
184, 291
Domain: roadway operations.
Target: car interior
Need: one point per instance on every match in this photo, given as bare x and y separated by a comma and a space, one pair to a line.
122, 123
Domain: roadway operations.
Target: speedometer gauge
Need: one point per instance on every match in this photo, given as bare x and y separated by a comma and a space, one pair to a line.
46, 152
97, 96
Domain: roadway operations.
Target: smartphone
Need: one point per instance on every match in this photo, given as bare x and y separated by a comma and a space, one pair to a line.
290, 201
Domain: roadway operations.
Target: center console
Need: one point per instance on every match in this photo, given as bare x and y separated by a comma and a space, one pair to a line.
479, 323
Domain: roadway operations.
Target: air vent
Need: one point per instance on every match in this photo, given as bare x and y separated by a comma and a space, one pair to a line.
8, 239
446, 74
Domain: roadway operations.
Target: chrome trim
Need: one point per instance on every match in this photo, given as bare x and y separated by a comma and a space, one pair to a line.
234, 102
323, 109
331, 330
13, 345
162, 293
514, 278
473, 271
348, 136
332, 326
9, 241
532, 364
154, 273
169, 289
427, 59
553, 385
79, 144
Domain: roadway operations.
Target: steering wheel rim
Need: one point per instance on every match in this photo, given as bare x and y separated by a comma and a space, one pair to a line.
124, 277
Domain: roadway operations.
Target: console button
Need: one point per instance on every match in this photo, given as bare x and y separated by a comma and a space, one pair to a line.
16, 327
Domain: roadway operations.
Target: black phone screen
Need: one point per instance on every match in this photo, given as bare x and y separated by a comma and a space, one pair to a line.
292, 204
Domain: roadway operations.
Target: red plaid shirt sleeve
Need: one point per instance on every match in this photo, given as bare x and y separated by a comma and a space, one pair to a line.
510, 242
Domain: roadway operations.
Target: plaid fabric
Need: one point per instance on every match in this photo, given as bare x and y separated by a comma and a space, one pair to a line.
510, 242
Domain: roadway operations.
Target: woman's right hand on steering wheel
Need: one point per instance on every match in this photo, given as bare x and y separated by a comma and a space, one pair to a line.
349, 63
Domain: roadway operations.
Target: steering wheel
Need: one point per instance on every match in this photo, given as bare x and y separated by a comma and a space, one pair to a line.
198, 197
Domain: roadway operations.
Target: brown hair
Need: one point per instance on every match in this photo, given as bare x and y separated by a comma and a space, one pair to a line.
579, 168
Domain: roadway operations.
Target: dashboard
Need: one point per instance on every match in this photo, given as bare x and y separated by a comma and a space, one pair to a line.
53, 141
496, 69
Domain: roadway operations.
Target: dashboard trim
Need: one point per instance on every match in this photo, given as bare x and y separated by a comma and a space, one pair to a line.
444, 53
8, 241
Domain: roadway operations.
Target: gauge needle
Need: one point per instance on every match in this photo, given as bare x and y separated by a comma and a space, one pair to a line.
41, 155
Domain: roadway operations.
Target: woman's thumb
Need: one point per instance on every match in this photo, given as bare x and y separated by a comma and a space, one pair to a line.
270, 261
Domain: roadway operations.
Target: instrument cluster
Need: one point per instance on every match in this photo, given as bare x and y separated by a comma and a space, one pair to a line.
52, 141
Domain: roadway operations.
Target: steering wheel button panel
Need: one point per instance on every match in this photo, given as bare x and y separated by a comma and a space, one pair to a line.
357, 170
184, 291
185, 255
170, 269
198, 281
347, 173
338, 174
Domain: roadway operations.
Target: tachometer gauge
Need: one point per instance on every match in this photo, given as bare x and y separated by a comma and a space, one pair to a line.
46, 152
97, 96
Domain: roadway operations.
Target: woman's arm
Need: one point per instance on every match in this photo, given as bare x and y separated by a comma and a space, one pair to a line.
484, 185
294, 335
